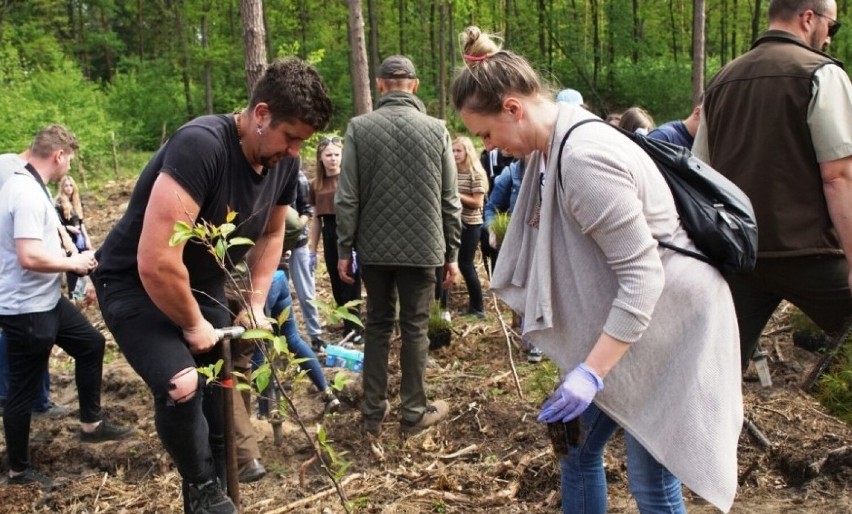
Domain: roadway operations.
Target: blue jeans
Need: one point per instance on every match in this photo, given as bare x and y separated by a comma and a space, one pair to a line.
654, 488
42, 401
278, 300
305, 286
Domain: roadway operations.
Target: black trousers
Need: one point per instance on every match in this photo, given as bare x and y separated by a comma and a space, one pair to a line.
341, 291
816, 284
191, 431
30, 338
470, 236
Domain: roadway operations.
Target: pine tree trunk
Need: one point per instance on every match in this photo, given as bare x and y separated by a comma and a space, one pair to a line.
361, 99
254, 40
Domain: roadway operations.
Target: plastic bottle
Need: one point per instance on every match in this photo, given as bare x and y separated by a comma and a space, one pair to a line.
338, 356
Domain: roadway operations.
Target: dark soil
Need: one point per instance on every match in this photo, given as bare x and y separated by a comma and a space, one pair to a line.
490, 456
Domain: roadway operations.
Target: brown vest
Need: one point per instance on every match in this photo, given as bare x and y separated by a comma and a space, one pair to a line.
756, 111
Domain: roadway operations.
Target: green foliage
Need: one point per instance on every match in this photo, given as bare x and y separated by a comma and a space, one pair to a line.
661, 86
337, 313
437, 323
499, 226
338, 466
835, 386
542, 381
340, 381
148, 101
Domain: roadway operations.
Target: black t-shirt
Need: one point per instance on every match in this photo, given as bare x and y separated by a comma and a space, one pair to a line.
205, 158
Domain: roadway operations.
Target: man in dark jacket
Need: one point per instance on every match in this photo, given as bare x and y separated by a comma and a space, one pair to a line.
397, 203
777, 121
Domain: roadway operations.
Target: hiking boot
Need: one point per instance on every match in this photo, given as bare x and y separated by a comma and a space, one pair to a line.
435, 412
318, 345
534, 355
31, 476
332, 404
373, 426
252, 471
53, 411
106, 431
209, 498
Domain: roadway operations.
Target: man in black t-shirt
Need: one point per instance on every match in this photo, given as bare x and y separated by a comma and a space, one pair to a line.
162, 302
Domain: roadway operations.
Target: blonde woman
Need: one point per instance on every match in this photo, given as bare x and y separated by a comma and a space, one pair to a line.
323, 188
473, 188
71, 213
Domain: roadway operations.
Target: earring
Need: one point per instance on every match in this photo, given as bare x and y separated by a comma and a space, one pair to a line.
259, 131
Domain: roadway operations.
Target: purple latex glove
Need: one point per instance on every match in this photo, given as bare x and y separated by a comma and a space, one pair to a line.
313, 261
573, 395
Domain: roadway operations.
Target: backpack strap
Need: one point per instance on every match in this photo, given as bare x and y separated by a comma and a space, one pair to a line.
631, 136
562, 147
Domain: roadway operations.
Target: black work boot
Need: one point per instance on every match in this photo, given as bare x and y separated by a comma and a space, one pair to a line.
209, 498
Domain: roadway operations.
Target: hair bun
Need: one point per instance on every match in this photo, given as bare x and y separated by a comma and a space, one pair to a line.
476, 45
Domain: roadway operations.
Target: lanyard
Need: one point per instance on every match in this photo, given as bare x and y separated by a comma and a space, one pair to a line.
36, 176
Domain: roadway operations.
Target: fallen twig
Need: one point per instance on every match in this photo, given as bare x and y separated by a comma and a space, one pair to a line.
755, 431
508, 346
98, 495
839, 454
464, 451
444, 495
314, 497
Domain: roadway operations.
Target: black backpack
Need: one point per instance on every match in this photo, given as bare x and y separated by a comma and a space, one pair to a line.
715, 213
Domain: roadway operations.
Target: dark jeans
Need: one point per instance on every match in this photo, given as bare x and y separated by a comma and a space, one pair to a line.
30, 337
441, 294
467, 253
341, 291
414, 288
818, 285
191, 431
43, 401
489, 255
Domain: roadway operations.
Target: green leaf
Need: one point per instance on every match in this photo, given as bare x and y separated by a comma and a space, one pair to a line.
238, 241
283, 316
262, 376
226, 228
258, 333
279, 343
230, 216
221, 248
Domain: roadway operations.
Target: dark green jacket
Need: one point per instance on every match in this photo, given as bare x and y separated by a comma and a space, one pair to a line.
397, 201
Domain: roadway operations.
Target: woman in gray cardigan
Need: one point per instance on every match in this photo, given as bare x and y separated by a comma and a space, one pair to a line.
647, 336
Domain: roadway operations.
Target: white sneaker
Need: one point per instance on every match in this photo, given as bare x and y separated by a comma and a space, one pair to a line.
534, 355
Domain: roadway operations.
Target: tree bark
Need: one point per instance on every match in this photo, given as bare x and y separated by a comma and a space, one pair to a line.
359, 72
372, 62
254, 41
755, 21
208, 66
442, 61
698, 22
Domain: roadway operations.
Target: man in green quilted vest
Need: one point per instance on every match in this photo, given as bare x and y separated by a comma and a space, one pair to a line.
397, 205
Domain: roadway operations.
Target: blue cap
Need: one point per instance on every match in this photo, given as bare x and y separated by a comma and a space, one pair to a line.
570, 96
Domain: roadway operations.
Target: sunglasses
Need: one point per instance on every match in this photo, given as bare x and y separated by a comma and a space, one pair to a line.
833, 25
326, 140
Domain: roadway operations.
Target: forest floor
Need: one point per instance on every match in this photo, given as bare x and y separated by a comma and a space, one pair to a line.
489, 456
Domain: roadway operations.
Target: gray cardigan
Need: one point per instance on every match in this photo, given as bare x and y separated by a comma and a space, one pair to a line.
593, 266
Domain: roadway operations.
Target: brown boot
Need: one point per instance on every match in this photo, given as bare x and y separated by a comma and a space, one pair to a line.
434, 414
